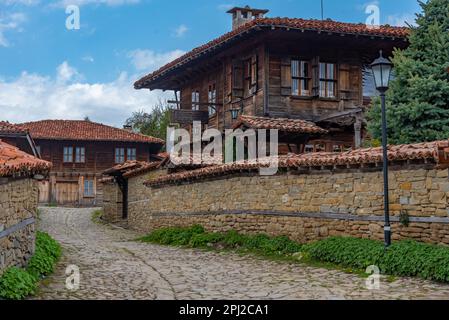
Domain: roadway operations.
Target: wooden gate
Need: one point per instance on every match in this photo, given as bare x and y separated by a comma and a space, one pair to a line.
44, 191
67, 192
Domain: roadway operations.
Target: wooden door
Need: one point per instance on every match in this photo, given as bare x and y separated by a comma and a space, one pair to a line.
67, 193
44, 191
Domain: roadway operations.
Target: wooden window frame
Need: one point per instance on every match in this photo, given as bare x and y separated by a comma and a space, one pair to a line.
81, 156
301, 78
212, 99
327, 80
116, 155
66, 154
92, 190
196, 102
128, 158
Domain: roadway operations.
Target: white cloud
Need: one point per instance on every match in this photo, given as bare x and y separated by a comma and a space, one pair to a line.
180, 31
31, 97
111, 3
66, 73
88, 59
149, 60
401, 20
10, 22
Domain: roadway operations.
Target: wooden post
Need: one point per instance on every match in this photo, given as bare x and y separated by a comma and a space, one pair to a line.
358, 133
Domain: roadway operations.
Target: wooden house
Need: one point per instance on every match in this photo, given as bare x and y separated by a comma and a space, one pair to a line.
280, 73
19, 137
80, 151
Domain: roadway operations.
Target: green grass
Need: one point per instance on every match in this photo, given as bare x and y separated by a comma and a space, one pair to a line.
96, 216
352, 255
17, 283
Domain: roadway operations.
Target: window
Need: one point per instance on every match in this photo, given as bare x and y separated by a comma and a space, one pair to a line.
80, 155
195, 100
131, 154
38, 150
300, 78
327, 80
68, 154
119, 155
212, 99
88, 188
248, 75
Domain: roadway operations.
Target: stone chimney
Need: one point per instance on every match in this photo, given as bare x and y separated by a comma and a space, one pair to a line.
240, 16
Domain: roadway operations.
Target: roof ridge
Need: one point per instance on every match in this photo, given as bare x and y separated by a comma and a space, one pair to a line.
400, 32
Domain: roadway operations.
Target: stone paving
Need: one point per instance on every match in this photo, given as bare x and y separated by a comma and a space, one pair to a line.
113, 266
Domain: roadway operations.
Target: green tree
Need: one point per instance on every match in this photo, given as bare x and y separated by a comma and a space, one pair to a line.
153, 124
418, 99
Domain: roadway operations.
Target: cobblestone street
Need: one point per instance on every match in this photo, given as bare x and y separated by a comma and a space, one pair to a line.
113, 266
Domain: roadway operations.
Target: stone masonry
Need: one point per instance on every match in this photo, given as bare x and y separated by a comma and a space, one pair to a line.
306, 206
18, 208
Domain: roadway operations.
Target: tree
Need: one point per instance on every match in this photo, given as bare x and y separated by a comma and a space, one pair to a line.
418, 99
152, 124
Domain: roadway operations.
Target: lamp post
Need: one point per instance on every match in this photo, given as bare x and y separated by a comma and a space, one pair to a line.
381, 68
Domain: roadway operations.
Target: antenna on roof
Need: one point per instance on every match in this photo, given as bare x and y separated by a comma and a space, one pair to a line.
322, 9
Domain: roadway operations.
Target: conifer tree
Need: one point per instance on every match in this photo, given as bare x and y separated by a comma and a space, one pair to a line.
418, 98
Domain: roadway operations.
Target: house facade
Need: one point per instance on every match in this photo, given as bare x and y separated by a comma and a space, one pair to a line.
282, 69
80, 151
19, 137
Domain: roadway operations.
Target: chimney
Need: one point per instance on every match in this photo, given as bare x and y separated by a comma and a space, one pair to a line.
240, 16
128, 128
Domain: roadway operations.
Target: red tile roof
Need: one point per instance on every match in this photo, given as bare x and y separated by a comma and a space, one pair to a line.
83, 130
436, 152
132, 168
281, 124
6, 127
14, 162
292, 23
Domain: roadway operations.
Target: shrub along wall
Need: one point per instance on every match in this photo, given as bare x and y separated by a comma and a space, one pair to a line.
305, 207
18, 207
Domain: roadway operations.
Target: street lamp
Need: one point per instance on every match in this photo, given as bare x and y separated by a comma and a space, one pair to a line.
381, 68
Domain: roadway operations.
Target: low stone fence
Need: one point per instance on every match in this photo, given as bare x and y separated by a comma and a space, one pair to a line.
18, 207
303, 206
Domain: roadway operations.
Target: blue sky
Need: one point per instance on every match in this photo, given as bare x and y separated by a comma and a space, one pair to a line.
48, 71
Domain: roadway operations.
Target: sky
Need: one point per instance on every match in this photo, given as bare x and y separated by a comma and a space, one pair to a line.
50, 71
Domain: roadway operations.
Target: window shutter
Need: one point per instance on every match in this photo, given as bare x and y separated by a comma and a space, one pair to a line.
344, 81
237, 78
254, 73
286, 76
229, 82
316, 76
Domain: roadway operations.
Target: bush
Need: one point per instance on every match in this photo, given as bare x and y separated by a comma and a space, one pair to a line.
47, 253
16, 284
403, 258
196, 237
173, 236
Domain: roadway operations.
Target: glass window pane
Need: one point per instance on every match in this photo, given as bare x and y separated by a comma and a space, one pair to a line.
295, 87
322, 71
295, 68
304, 69
330, 71
322, 88
330, 90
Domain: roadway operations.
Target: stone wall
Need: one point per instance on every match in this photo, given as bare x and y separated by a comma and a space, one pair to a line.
18, 210
304, 206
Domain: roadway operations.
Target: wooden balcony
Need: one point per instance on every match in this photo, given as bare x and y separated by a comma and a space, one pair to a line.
183, 116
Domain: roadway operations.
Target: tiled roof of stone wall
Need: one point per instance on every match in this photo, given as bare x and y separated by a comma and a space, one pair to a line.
436, 152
